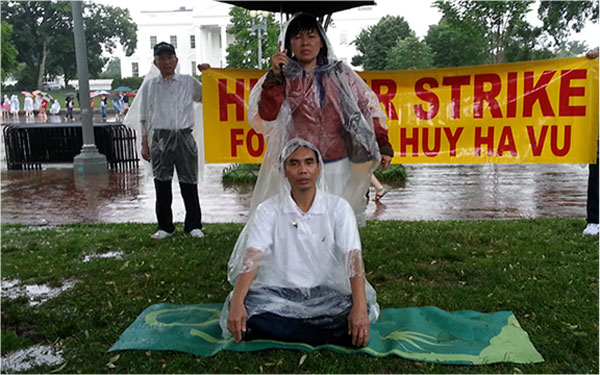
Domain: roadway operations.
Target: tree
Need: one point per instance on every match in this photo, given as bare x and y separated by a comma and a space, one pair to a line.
560, 18
409, 53
242, 53
9, 52
375, 43
455, 46
43, 36
113, 69
498, 21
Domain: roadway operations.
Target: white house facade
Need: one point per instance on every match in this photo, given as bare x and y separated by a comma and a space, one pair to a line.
199, 32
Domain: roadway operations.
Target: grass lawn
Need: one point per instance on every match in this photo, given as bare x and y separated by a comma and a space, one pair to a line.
543, 270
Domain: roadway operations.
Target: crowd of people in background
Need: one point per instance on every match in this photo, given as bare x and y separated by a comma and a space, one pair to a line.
41, 106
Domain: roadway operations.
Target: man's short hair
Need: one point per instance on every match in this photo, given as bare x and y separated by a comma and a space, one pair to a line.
164, 48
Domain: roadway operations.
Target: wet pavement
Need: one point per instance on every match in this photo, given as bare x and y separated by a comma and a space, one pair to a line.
432, 192
56, 195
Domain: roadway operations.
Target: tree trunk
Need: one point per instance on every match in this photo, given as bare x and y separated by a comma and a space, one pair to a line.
42, 68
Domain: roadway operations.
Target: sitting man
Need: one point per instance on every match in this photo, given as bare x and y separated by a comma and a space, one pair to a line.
300, 276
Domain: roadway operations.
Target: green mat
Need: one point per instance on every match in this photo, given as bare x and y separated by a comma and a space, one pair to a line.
417, 333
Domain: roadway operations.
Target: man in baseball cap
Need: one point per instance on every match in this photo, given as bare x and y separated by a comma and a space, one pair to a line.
167, 121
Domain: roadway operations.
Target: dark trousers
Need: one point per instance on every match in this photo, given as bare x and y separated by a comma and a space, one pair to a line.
275, 327
164, 198
592, 195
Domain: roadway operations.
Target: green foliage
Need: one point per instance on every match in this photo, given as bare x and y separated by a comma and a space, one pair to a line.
113, 69
242, 53
561, 18
394, 172
375, 43
543, 270
43, 36
408, 54
455, 46
498, 21
241, 173
131, 82
9, 52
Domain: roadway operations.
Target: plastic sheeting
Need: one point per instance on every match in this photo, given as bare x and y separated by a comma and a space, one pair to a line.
132, 120
319, 264
333, 108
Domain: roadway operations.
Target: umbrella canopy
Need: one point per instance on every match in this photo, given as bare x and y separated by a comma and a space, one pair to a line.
42, 94
114, 97
122, 89
130, 94
101, 92
26, 93
70, 94
317, 8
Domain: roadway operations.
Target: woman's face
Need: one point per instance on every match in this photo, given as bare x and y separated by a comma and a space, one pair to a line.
306, 46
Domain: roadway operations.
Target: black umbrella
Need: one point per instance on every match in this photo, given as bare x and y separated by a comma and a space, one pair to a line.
317, 8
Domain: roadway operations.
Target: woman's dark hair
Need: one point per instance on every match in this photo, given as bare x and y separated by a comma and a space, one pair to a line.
305, 22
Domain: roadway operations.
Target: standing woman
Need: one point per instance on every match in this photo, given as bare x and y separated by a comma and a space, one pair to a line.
28, 106
5, 108
309, 94
15, 106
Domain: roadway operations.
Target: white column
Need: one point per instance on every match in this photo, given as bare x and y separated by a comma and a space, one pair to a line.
223, 46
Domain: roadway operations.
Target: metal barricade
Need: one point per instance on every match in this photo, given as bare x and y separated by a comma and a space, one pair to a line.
28, 146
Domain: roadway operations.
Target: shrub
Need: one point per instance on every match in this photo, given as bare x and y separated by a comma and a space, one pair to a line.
395, 172
241, 173
133, 83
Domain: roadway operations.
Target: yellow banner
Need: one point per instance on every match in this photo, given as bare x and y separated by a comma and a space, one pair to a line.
531, 112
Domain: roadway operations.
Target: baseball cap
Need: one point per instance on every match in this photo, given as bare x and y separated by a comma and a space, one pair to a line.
163, 47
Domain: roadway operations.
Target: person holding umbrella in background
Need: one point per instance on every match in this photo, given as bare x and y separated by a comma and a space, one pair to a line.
28, 104
5, 108
15, 106
103, 106
69, 105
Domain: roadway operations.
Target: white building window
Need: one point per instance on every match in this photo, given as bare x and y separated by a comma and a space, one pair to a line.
174, 40
194, 68
152, 41
192, 41
135, 69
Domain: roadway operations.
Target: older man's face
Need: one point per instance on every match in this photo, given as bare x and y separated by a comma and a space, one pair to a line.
166, 63
302, 169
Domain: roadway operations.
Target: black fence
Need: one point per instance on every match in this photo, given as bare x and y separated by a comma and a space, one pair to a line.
28, 146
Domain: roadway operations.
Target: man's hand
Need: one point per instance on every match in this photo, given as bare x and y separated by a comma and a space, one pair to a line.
358, 325
145, 149
203, 67
236, 321
385, 161
592, 54
278, 59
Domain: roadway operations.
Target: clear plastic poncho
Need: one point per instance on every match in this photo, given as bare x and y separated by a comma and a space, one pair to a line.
333, 108
323, 254
132, 120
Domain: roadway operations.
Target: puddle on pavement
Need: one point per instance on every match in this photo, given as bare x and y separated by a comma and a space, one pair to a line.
34, 356
36, 293
110, 254
431, 192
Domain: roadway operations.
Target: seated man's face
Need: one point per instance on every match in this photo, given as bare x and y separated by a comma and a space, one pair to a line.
302, 169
